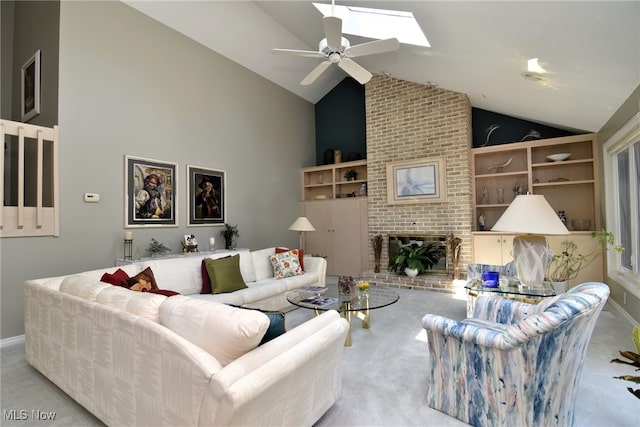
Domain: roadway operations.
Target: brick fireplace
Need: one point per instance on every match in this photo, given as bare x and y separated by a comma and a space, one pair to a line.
406, 121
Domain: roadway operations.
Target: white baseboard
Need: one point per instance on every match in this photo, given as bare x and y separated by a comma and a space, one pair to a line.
622, 312
12, 341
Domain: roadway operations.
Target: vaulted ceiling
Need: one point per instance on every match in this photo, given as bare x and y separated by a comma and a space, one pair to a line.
591, 50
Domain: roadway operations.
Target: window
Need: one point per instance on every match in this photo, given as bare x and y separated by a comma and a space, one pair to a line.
622, 179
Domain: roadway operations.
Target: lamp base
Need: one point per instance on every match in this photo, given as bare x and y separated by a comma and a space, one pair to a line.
531, 254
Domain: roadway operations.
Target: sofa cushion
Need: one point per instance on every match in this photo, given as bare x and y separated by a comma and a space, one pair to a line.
300, 255
276, 323
285, 264
180, 274
224, 332
145, 304
81, 286
225, 274
262, 264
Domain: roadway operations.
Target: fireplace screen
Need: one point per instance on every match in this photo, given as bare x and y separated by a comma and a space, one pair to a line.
396, 241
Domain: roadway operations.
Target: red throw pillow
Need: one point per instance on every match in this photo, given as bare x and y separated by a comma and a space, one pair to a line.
117, 278
300, 255
142, 281
165, 292
206, 281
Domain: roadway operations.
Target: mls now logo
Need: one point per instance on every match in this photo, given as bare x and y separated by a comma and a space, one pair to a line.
23, 414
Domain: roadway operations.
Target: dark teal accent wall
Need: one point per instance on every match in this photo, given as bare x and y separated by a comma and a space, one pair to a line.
341, 122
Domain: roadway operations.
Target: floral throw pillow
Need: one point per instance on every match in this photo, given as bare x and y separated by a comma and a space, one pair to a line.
285, 264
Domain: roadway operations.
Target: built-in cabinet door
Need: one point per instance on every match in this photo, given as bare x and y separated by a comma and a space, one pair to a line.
338, 234
492, 248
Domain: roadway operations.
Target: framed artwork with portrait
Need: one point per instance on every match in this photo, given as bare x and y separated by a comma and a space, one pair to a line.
207, 196
30, 88
150, 193
416, 181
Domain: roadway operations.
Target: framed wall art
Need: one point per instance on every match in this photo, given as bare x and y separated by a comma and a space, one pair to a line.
416, 181
30, 88
207, 196
150, 193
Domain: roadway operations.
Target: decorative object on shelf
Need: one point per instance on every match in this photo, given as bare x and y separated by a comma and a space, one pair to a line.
567, 264
559, 179
416, 257
482, 222
351, 175
156, 248
207, 196
454, 245
302, 224
558, 157
533, 134
337, 156
150, 187
531, 217
377, 252
634, 360
30, 85
320, 178
363, 190
485, 197
499, 167
328, 156
128, 245
229, 233
347, 285
489, 131
500, 196
518, 189
190, 243
581, 224
416, 181
563, 217
212, 243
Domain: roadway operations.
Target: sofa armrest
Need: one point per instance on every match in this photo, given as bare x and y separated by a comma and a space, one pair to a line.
317, 265
291, 380
483, 333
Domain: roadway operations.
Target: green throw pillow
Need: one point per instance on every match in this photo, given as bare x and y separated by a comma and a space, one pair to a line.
225, 274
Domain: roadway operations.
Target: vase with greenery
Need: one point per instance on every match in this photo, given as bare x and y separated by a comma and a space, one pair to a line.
416, 257
229, 233
567, 264
634, 360
156, 248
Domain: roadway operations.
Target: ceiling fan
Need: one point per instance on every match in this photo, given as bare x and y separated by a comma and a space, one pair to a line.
335, 49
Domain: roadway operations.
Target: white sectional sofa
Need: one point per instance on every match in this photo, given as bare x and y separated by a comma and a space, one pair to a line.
139, 358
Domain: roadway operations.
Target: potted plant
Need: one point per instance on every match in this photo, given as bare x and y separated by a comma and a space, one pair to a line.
414, 259
351, 175
156, 248
634, 360
567, 264
229, 233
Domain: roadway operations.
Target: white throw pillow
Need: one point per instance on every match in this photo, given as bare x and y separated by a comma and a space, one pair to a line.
224, 332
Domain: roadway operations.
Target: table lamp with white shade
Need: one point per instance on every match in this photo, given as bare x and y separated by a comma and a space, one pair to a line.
302, 224
531, 217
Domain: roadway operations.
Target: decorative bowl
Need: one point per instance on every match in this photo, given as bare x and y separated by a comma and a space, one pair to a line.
558, 157
581, 224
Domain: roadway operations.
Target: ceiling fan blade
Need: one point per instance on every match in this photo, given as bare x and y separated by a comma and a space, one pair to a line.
294, 52
370, 48
333, 31
355, 70
315, 73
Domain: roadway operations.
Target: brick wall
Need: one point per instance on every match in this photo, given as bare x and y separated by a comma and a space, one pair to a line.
410, 121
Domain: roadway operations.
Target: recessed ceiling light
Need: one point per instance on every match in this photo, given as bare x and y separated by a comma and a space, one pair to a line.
534, 67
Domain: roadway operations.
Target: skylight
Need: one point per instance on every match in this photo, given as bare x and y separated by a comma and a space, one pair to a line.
377, 23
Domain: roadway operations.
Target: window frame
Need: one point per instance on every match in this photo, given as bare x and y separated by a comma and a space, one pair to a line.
624, 139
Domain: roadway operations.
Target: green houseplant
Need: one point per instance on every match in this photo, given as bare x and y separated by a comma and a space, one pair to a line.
156, 248
415, 257
567, 264
229, 233
634, 361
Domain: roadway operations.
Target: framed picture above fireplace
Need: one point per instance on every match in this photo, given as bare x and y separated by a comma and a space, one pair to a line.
416, 181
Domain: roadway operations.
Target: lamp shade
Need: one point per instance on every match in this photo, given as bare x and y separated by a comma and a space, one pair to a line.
530, 214
302, 224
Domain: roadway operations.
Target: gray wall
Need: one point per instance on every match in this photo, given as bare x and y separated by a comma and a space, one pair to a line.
129, 85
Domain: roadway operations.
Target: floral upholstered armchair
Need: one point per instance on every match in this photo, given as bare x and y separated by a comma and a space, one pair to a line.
513, 363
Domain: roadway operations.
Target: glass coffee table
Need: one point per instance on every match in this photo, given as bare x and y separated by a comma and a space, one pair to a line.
358, 305
507, 289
